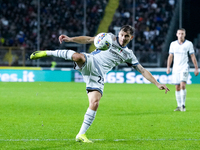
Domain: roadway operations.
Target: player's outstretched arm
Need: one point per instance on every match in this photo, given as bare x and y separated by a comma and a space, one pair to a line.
78, 39
149, 77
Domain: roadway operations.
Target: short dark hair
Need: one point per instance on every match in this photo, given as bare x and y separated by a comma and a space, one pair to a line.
127, 28
182, 29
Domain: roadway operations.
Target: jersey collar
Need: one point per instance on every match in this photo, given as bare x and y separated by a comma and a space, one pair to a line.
119, 43
182, 43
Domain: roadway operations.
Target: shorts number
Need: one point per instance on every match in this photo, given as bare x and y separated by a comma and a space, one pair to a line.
101, 80
185, 74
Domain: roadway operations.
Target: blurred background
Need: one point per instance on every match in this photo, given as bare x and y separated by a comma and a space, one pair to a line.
27, 26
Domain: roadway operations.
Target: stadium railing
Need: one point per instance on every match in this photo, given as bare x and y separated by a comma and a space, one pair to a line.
19, 56
12, 56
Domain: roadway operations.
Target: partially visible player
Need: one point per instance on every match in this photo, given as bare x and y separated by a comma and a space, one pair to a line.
178, 51
95, 65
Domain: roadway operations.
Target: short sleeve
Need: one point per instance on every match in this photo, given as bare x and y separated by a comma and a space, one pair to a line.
191, 48
132, 61
171, 50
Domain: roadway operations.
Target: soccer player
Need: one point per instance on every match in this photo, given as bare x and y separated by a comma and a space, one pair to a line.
95, 65
178, 51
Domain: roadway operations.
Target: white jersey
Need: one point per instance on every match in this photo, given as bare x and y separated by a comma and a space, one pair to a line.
115, 55
180, 52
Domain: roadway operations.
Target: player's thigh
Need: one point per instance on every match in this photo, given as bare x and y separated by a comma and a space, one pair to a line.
184, 76
88, 65
94, 83
93, 76
94, 96
176, 78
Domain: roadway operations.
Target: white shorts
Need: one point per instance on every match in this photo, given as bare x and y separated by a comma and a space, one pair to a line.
92, 74
177, 78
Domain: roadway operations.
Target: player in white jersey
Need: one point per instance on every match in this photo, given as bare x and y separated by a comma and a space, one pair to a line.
95, 65
178, 52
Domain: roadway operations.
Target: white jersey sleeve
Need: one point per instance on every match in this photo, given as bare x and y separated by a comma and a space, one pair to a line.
171, 50
132, 61
191, 48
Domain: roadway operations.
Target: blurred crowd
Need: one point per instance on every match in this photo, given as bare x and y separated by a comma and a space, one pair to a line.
18, 21
152, 19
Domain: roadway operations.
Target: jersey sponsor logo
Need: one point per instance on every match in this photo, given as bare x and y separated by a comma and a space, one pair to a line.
180, 52
116, 55
119, 49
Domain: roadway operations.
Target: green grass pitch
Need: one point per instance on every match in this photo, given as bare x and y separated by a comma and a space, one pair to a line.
48, 115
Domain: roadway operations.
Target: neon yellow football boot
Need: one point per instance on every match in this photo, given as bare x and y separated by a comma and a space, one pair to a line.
38, 54
82, 138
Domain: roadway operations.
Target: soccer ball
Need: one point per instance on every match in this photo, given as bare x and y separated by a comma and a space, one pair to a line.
103, 41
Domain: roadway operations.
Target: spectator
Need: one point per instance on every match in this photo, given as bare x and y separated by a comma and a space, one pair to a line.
19, 20
151, 21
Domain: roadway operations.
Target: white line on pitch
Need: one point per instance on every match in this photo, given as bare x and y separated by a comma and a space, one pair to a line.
115, 140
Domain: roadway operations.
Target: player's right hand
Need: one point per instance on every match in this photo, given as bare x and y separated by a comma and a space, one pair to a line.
63, 38
168, 70
163, 87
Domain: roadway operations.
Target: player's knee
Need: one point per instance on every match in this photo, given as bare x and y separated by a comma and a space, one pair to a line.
183, 87
95, 104
78, 57
178, 88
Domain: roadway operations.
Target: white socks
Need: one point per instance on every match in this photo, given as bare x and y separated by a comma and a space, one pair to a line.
181, 97
178, 98
66, 54
88, 119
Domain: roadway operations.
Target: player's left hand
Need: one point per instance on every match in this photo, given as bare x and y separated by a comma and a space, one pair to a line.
163, 87
64, 38
196, 72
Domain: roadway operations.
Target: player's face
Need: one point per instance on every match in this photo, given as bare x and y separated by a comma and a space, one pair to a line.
124, 38
181, 35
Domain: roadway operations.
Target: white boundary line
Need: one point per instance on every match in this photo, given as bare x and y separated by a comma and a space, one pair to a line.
115, 140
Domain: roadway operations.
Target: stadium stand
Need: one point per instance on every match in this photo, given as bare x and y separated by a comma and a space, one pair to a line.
18, 23
152, 19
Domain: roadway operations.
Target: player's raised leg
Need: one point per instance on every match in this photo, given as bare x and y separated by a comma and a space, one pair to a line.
38, 54
65, 54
